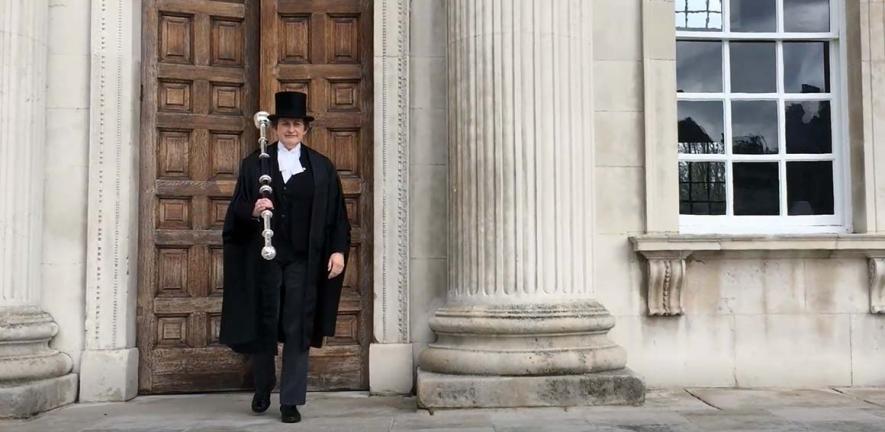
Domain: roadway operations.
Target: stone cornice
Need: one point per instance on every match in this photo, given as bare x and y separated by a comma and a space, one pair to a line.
872, 243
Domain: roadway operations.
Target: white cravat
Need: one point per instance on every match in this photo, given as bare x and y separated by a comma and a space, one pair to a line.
289, 161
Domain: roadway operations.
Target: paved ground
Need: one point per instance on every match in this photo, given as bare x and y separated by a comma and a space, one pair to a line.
693, 409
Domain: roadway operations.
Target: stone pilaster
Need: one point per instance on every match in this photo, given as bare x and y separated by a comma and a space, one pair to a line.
520, 317
109, 365
33, 376
390, 358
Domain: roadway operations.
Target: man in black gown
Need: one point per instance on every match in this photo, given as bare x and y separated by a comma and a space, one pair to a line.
294, 297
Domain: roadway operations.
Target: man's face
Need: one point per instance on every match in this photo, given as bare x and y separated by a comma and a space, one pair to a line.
290, 131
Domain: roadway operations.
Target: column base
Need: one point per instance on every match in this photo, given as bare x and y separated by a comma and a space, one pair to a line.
618, 387
109, 375
390, 368
25, 399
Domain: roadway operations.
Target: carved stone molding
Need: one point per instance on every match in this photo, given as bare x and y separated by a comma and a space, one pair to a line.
391, 195
108, 364
113, 173
877, 284
665, 282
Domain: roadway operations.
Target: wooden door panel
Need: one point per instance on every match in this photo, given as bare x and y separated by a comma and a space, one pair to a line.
200, 89
323, 48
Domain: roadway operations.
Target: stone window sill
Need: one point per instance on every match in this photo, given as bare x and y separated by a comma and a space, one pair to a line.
666, 259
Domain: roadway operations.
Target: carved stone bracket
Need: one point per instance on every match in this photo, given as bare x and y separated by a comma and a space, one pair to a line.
877, 284
665, 280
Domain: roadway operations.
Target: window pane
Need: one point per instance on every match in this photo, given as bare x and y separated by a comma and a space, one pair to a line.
704, 15
699, 66
756, 189
702, 188
700, 127
808, 127
806, 67
753, 16
806, 15
754, 127
753, 67
810, 188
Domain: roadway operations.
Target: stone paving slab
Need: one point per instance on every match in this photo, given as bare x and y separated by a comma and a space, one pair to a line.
875, 396
666, 410
730, 398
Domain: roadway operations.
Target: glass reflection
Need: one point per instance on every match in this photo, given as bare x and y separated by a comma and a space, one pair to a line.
753, 67
699, 66
753, 16
756, 189
702, 188
754, 127
806, 15
698, 15
700, 127
810, 188
807, 67
808, 127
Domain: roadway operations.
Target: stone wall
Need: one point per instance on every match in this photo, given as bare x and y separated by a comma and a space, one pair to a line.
67, 164
428, 166
797, 317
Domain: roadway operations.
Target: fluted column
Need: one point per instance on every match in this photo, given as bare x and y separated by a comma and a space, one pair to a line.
33, 377
520, 301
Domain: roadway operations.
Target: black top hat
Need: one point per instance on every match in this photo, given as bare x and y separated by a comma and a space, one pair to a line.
290, 104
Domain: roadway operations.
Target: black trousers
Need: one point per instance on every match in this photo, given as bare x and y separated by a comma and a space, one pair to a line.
291, 277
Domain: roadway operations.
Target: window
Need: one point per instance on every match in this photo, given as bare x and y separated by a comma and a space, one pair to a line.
758, 116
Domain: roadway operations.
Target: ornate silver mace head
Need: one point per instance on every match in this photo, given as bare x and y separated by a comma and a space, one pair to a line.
261, 119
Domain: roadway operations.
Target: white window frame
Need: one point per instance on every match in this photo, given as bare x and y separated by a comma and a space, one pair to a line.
840, 221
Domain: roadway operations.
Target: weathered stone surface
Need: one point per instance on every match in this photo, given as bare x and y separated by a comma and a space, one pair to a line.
527, 339
393, 371
31, 397
744, 399
472, 391
109, 375
665, 410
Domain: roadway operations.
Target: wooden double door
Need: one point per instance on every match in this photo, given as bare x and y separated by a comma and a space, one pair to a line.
208, 66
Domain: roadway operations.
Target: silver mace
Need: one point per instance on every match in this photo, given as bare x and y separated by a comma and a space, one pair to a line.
268, 252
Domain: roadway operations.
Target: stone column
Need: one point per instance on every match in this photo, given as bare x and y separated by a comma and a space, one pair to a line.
33, 376
521, 326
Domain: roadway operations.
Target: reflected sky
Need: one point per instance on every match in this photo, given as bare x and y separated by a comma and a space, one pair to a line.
753, 67
806, 67
699, 66
698, 15
753, 15
806, 15
700, 127
754, 127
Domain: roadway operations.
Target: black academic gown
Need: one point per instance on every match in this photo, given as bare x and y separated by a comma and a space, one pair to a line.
250, 312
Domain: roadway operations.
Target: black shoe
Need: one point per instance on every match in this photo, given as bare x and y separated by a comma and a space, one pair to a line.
290, 414
260, 402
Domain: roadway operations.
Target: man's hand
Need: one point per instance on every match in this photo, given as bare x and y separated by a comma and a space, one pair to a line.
336, 265
261, 205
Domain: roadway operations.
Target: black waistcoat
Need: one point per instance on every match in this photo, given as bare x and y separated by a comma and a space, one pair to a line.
295, 203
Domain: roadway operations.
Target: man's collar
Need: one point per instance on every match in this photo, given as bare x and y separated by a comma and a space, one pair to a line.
295, 150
